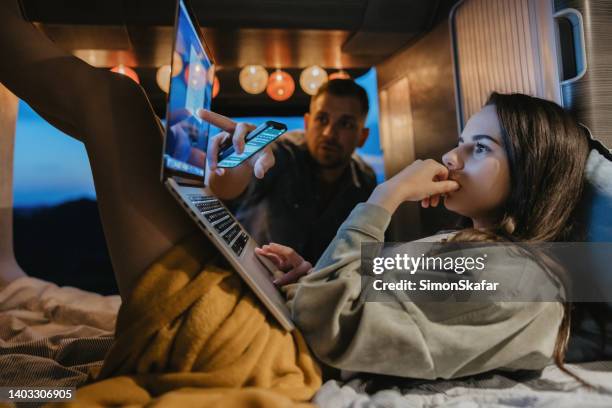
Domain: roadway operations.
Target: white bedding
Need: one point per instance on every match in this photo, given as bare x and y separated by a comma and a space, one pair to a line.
550, 389
52, 335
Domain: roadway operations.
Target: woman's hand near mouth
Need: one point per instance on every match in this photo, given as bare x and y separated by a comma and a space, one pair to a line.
423, 181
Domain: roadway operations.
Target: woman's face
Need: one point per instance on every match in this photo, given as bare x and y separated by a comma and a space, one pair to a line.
480, 165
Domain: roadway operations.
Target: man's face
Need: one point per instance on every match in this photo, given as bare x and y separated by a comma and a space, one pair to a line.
334, 128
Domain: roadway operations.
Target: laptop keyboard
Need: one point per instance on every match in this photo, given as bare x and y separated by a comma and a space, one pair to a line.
208, 206
240, 243
216, 215
214, 212
231, 233
223, 225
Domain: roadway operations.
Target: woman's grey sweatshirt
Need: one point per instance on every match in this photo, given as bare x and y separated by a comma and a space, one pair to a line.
418, 340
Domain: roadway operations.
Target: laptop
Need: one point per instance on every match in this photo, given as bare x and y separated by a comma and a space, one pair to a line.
184, 167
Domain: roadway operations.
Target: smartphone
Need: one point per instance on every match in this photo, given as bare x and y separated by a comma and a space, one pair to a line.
256, 140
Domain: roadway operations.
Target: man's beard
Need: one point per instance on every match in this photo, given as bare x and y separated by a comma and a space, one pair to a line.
337, 160
333, 164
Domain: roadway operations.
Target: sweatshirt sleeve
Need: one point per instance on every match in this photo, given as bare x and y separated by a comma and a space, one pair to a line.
419, 340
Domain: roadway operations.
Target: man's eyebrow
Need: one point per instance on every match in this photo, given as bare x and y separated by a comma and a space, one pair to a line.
476, 138
348, 116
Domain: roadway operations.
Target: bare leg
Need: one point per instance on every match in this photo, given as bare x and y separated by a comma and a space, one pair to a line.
9, 269
112, 116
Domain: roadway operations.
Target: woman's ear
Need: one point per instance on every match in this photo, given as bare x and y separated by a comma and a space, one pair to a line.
365, 132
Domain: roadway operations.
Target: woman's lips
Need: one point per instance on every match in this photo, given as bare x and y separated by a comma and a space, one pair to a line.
455, 178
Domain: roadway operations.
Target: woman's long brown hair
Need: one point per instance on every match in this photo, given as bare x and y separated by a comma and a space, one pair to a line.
547, 152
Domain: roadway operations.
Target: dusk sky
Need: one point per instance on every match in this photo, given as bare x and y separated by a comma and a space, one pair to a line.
51, 167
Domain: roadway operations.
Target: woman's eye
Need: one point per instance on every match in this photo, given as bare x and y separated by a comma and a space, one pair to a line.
481, 148
322, 120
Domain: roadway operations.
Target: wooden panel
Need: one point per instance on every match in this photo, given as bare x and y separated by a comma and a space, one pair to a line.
426, 69
504, 46
397, 138
8, 117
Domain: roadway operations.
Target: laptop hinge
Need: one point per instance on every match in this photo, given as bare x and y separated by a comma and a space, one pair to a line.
187, 182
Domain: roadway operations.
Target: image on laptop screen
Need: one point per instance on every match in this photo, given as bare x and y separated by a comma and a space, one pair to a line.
192, 75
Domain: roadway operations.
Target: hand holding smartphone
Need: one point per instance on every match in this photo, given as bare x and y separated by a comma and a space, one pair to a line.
256, 140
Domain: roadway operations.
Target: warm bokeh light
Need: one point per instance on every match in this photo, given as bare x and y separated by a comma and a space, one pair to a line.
312, 78
177, 64
197, 79
340, 75
163, 78
127, 71
253, 79
280, 86
216, 87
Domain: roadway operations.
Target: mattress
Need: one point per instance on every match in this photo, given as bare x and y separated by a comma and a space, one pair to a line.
550, 388
58, 336
53, 336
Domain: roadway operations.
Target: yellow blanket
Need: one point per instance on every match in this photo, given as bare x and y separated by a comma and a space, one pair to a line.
192, 334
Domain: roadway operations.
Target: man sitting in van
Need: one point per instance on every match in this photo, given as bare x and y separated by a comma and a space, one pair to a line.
298, 191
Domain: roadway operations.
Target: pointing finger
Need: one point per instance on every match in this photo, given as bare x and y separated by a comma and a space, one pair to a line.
220, 121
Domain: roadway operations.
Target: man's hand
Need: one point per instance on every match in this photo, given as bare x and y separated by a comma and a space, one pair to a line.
287, 260
237, 132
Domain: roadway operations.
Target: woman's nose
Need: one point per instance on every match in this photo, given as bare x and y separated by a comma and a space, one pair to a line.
452, 159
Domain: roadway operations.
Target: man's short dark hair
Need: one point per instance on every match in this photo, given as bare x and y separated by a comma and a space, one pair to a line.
345, 87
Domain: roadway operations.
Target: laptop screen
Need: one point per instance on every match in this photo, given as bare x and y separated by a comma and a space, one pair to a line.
191, 80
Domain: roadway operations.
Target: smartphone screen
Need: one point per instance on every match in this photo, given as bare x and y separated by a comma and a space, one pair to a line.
255, 141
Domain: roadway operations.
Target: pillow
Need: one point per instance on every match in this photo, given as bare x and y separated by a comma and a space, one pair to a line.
597, 200
591, 321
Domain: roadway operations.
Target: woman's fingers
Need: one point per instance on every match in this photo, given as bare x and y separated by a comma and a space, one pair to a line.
286, 259
281, 254
294, 275
443, 187
441, 171
277, 260
292, 257
434, 200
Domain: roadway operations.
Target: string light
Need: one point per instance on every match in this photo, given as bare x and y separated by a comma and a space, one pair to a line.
216, 87
312, 78
253, 79
163, 77
280, 86
177, 64
340, 75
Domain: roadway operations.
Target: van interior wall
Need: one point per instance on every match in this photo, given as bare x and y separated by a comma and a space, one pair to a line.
589, 97
427, 118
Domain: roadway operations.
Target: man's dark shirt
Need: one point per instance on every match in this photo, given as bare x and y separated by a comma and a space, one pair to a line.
288, 208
